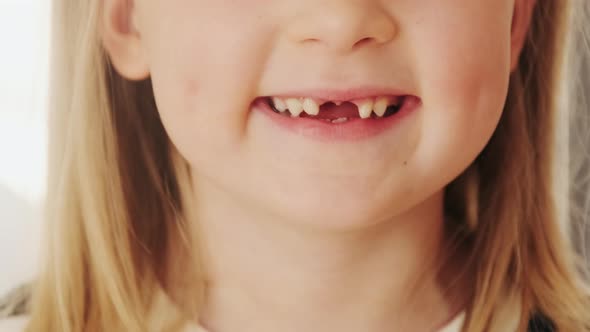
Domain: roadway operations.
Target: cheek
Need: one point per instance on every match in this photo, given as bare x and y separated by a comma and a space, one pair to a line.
195, 47
204, 70
465, 59
465, 74
209, 39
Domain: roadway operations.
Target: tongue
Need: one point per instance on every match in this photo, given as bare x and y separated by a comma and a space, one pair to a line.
332, 112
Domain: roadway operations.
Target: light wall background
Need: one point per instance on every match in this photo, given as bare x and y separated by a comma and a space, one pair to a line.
24, 33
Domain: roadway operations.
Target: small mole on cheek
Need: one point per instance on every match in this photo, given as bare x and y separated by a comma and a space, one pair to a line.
405, 163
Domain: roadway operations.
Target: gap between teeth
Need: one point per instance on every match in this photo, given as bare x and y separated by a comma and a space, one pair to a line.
366, 107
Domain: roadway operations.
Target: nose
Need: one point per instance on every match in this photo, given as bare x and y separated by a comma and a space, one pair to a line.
342, 25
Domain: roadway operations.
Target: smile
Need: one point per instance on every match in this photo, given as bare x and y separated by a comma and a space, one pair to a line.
337, 111
338, 116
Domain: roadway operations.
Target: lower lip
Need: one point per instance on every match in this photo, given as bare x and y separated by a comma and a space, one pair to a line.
355, 129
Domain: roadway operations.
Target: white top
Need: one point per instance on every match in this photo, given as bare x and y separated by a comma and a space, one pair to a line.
455, 325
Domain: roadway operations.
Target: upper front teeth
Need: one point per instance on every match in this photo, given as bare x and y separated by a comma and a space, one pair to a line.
295, 106
311, 107
366, 107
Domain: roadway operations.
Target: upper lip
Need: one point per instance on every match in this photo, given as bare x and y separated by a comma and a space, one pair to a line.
343, 95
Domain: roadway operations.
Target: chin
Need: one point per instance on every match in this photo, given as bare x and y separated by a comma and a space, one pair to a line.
336, 214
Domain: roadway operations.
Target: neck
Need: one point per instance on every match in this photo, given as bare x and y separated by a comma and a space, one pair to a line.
266, 276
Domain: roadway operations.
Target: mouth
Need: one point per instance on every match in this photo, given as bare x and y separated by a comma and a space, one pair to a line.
339, 111
340, 115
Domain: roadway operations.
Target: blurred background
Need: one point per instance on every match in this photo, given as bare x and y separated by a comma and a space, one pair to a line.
24, 43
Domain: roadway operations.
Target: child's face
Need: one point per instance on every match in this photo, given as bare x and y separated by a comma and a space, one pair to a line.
211, 61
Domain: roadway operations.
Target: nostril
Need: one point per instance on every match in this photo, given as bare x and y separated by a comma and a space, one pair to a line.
310, 41
364, 41
341, 26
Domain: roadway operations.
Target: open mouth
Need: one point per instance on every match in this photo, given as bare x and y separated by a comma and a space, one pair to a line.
337, 111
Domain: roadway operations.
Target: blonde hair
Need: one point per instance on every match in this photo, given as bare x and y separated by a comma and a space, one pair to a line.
115, 198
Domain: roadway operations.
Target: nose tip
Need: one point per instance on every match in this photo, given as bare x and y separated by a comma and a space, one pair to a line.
343, 26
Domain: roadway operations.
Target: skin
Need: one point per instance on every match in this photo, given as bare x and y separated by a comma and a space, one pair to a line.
311, 236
